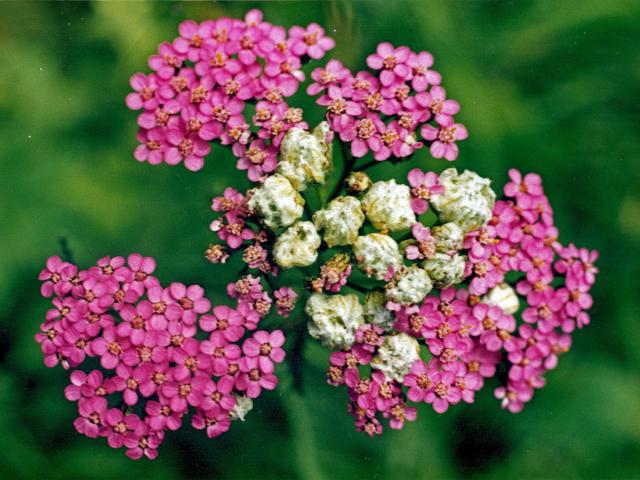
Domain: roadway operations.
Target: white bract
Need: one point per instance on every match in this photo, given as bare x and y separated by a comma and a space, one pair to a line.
334, 319
376, 253
467, 199
445, 270
388, 206
305, 157
396, 355
410, 285
340, 221
243, 406
375, 311
276, 202
297, 246
503, 296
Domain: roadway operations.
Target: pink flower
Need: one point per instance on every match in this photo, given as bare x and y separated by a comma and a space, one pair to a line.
444, 139
142, 268
144, 95
285, 300
424, 185
364, 135
311, 41
423, 76
186, 147
93, 413
444, 392
333, 72
218, 395
191, 300
259, 159
392, 61
266, 347
230, 201
160, 415
253, 379
216, 421
225, 322
436, 102
419, 380
119, 428
166, 61
222, 353
193, 38
128, 381
181, 393
232, 230
145, 443
57, 277
110, 347
425, 246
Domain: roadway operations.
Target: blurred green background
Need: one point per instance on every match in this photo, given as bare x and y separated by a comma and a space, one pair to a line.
546, 86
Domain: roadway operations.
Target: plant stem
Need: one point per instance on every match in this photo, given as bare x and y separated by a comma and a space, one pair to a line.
65, 251
367, 165
348, 162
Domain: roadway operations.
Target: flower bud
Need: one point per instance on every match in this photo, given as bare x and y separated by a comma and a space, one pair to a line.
334, 319
467, 199
341, 221
409, 286
396, 355
375, 311
449, 237
358, 182
242, 407
445, 270
305, 157
376, 253
276, 202
503, 296
388, 206
297, 246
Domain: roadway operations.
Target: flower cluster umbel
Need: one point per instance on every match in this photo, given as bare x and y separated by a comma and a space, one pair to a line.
202, 81
414, 310
146, 355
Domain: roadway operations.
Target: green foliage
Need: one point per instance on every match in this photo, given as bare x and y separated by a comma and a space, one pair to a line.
546, 86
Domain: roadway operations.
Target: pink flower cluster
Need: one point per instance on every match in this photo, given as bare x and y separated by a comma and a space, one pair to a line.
202, 81
464, 337
555, 281
160, 351
382, 111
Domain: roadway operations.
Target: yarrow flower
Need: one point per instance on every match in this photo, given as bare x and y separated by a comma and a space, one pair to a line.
408, 282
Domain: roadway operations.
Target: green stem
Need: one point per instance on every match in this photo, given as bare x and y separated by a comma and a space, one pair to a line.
357, 287
348, 162
65, 251
367, 165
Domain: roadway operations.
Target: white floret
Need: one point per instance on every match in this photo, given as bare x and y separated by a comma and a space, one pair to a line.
305, 157
297, 246
396, 355
376, 253
334, 319
388, 206
409, 286
340, 221
276, 202
467, 199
